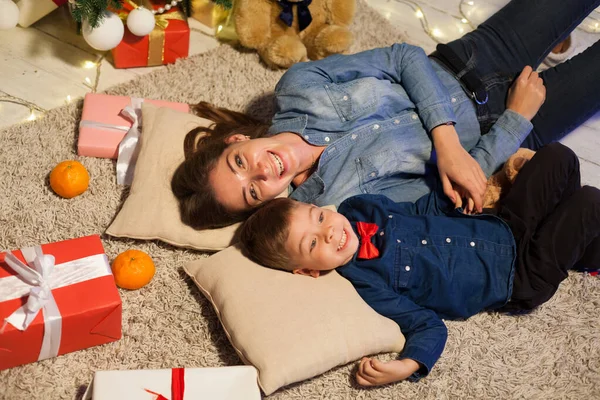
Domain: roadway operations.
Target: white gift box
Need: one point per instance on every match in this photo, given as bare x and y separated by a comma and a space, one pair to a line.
225, 383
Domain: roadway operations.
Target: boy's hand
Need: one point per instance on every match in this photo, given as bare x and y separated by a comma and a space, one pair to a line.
372, 372
527, 93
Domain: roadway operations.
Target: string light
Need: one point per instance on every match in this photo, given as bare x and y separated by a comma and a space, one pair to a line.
89, 65
419, 14
68, 98
436, 32
32, 116
88, 80
464, 21
471, 3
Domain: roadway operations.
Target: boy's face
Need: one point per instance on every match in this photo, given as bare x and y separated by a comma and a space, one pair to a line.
319, 239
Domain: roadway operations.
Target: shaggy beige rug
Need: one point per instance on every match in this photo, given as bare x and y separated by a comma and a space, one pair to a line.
552, 353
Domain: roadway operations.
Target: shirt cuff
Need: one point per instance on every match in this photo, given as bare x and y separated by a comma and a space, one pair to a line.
515, 124
437, 115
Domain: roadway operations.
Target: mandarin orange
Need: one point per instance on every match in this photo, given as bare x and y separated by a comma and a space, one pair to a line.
133, 269
69, 179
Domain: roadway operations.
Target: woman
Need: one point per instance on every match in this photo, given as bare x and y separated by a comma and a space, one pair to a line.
380, 121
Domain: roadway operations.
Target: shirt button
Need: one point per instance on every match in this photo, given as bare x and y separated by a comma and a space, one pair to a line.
390, 216
424, 241
381, 233
358, 161
448, 240
343, 119
398, 240
306, 137
396, 121
327, 138
372, 174
453, 100
354, 136
376, 126
345, 98
414, 116
472, 244
407, 268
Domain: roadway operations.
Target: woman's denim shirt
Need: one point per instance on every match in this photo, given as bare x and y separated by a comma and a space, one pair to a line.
434, 262
374, 111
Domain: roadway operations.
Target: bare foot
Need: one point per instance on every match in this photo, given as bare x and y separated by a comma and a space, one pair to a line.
562, 46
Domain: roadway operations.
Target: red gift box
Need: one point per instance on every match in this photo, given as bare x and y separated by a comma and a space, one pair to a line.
87, 304
161, 46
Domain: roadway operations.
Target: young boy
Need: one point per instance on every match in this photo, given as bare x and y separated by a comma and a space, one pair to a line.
418, 263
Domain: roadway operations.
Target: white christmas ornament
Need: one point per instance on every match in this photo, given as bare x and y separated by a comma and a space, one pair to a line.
140, 21
9, 14
107, 35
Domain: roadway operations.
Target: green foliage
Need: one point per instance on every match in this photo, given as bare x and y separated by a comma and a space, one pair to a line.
226, 4
92, 10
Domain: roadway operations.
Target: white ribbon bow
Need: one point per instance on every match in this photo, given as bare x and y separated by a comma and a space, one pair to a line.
128, 148
40, 298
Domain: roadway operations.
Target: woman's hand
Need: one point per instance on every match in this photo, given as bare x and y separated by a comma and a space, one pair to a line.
372, 372
527, 93
458, 171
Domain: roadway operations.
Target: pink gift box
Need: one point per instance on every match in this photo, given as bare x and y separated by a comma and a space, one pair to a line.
102, 126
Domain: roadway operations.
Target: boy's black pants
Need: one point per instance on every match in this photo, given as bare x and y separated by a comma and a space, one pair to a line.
556, 224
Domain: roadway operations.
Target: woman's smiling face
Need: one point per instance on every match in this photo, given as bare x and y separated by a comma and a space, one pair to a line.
251, 171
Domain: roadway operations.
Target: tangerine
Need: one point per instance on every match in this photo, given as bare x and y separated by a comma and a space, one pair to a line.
133, 269
69, 179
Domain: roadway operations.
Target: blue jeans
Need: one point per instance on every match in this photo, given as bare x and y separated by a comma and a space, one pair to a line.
523, 33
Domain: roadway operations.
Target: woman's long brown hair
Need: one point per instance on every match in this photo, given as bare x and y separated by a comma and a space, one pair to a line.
202, 148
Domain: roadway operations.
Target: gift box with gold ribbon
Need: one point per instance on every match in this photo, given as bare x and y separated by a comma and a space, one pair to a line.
169, 40
31, 11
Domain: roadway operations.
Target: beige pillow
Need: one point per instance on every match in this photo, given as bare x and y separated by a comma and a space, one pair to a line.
290, 327
151, 210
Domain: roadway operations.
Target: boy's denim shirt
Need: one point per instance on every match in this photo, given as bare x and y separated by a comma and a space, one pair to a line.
375, 111
435, 262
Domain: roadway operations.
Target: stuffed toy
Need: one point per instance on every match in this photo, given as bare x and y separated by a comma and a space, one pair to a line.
288, 31
500, 183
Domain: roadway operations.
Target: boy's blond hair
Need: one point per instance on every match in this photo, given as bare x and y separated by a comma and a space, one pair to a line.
264, 234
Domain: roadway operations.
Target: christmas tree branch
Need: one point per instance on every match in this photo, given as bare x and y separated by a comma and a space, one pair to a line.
93, 10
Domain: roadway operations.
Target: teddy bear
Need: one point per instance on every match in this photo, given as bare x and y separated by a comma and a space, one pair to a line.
285, 32
500, 183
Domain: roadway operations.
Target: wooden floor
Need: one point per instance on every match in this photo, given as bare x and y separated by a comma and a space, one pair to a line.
48, 64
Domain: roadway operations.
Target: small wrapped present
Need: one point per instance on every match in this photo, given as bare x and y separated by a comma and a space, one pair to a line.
31, 11
56, 298
225, 383
103, 126
169, 41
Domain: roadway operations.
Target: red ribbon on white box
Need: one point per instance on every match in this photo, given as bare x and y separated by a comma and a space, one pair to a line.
39, 279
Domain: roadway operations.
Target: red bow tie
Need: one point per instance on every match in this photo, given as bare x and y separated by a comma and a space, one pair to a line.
367, 249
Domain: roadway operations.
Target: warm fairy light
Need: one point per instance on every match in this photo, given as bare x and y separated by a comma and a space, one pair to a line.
89, 65
219, 28
436, 32
596, 26
464, 21
419, 14
461, 29
88, 80
32, 116
68, 98
470, 3
388, 15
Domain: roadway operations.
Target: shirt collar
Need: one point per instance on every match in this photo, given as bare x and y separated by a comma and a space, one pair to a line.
296, 125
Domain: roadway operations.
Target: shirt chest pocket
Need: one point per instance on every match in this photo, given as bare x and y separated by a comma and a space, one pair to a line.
353, 99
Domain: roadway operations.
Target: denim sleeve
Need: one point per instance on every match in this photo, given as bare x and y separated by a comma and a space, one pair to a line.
403, 64
502, 141
424, 331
